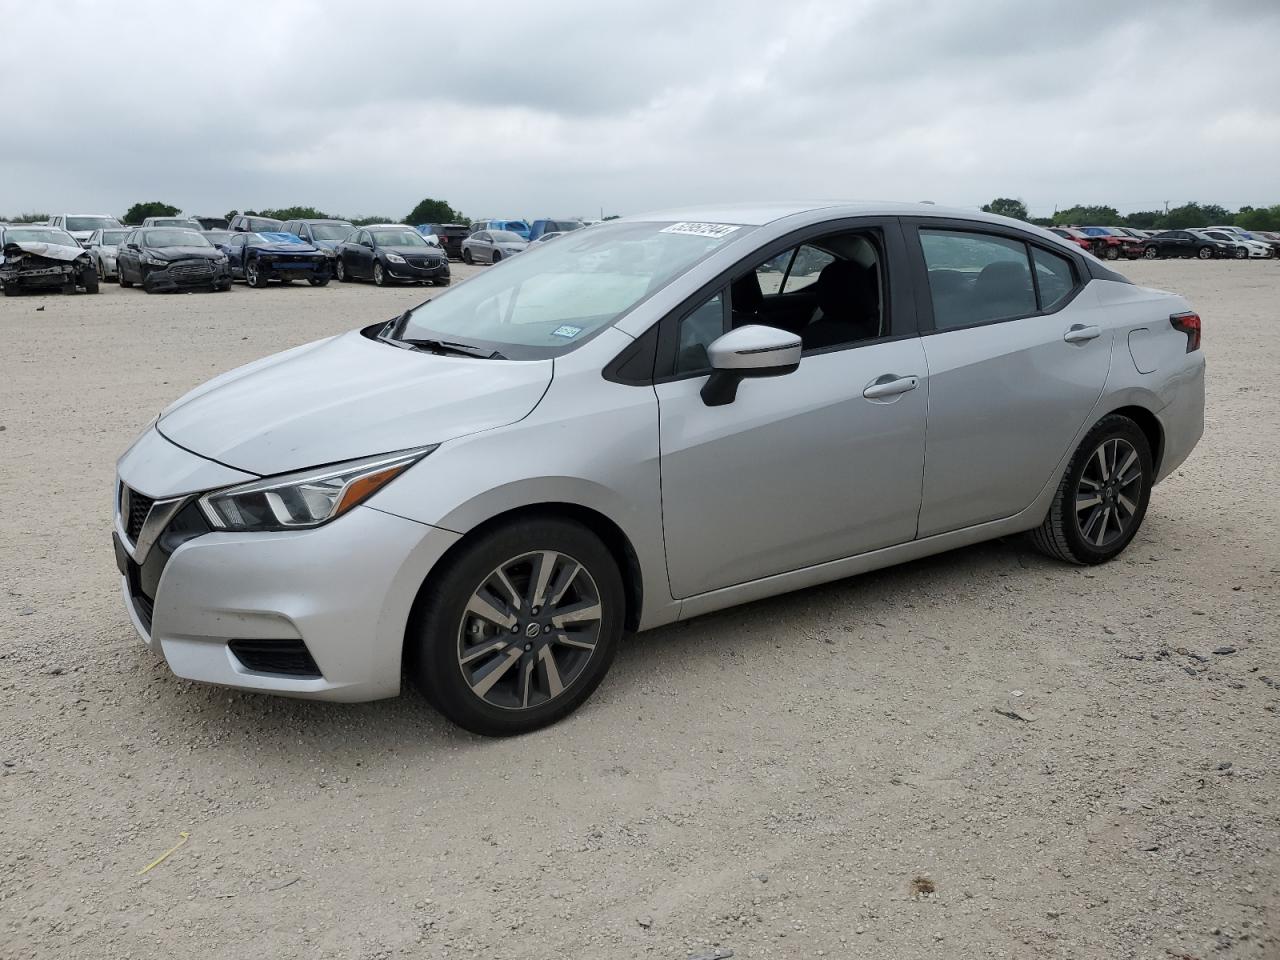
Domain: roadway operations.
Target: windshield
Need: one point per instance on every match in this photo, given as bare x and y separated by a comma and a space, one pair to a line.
174, 238
397, 238
331, 231
505, 236
39, 235
175, 222
91, 223
562, 226
217, 236
554, 297
111, 238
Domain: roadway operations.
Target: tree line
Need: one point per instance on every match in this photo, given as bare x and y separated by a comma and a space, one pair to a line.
1188, 215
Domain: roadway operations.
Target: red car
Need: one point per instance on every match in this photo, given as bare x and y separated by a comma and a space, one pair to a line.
1105, 243
1078, 237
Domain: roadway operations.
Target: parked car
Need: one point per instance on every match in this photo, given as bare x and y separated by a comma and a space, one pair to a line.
82, 225
1078, 237
546, 237
539, 227
624, 431
37, 258
323, 234
181, 223
449, 236
1238, 247
1269, 237
219, 238
519, 227
210, 223
102, 246
490, 246
391, 253
169, 259
248, 223
1112, 243
259, 258
1184, 243
1254, 246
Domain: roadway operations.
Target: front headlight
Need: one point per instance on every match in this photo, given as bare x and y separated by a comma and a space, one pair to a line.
220, 260
308, 498
394, 257
155, 262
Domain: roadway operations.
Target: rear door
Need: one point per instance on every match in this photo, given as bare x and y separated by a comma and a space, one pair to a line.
1017, 355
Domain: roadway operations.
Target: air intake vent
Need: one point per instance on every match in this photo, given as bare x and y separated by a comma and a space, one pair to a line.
288, 657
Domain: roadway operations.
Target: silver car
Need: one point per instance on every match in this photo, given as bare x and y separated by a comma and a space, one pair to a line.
490, 246
102, 246
640, 423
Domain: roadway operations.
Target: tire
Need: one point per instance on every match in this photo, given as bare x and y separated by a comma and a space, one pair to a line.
89, 280
445, 625
1113, 253
11, 291
1205, 253
222, 287
442, 283
319, 281
1150, 253
466, 256
120, 277
496, 257
379, 275
340, 270
1241, 253
253, 275
1097, 532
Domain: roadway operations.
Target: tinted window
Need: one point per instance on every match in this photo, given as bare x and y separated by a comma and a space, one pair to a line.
976, 278
174, 238
697, 330
1056, 276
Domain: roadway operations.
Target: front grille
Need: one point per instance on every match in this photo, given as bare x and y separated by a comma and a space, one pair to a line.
191, 270
288, 657
137, 507
425, 261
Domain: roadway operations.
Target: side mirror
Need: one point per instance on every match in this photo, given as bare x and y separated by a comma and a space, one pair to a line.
750, 351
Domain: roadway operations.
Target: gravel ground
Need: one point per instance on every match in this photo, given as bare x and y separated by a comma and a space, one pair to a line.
822, 774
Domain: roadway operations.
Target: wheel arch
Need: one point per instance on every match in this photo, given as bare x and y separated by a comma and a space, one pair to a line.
614, 538
1150, 426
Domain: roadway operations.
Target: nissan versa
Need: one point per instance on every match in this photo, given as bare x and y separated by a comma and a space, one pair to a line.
645, 421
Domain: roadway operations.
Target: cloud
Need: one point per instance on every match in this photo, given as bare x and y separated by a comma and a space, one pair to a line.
563, 108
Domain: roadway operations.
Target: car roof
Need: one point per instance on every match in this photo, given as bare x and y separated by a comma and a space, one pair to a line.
320, 221
760, 213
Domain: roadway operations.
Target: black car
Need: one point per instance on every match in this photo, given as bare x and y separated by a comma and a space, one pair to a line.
450, 236
1183, 243
259, 258
246, 223
169, 258
391, 253
45, 259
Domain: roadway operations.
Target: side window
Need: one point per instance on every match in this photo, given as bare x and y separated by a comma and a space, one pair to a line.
805, 268
697, 331
1055, 275
237, 241
976, 278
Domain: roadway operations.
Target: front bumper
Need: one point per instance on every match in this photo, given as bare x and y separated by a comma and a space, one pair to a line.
342, 592
412, 272
180, 276
41, 278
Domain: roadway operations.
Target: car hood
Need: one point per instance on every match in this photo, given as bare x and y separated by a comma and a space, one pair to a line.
348, 397
286, 248
414, 251
50, 251
182, 253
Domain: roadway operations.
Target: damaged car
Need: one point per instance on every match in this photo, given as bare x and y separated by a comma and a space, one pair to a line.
165, 259
45, 259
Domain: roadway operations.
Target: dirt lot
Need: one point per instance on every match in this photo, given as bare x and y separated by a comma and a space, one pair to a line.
769, 781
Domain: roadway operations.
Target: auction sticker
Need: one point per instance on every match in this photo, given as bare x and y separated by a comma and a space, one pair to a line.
568, 331
713, 230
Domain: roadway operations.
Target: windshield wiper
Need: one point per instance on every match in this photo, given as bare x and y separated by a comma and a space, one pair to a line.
450, 346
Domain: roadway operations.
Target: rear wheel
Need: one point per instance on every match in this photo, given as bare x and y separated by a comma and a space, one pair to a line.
1205, 253
1113, 253
1102, 498
520, 628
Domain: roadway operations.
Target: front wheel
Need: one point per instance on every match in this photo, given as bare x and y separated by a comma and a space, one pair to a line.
1241, 253
520, 627
1103, 496
120, 277
497, 255
319, 280
1150, 253
340, 270
466, 256
253, 274
379, 275
1113, 253
89, 279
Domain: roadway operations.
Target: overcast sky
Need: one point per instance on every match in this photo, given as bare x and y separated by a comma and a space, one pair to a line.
548, 108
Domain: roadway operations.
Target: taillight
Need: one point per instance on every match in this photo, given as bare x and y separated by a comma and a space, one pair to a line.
1188, 323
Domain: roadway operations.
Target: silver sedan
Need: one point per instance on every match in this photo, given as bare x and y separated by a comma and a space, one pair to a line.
102, 250
490, 246
640, 423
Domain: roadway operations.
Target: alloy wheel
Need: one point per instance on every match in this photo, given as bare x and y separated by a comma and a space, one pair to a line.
379, 277
529, 630
1150, 253
251, 274
1108, 493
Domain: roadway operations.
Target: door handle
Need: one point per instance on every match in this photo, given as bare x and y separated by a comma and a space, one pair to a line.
1079, 333
889, 385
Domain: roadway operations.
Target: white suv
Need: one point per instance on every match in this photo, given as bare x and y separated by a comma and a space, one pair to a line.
82, 225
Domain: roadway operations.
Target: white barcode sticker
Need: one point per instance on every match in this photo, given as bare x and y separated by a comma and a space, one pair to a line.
713, 230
